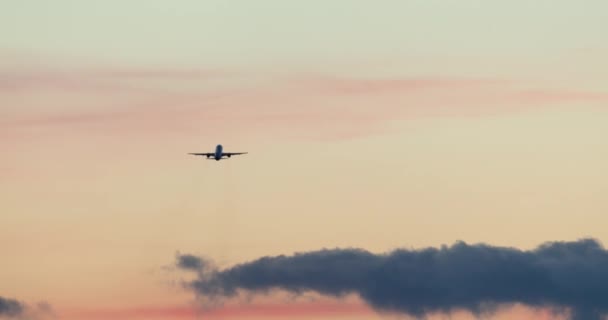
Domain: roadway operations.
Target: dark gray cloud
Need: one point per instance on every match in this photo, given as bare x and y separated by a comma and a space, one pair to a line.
10, 307
14, 309
190, 262
561, 275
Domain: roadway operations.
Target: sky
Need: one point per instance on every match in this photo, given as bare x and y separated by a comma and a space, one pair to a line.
371, 125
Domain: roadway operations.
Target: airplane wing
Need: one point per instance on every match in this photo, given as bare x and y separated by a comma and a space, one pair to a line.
232, 153
203, 154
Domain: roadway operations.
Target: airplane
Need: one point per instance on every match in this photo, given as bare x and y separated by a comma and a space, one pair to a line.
218, 154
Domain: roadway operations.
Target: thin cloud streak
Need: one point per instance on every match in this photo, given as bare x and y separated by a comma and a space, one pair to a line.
365, 86
29, 78
289, 310
560, 96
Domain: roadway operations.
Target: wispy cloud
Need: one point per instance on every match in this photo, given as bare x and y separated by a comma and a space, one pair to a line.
461, 92
366, 86
560, 96
254, 310
154, 312
100, 80
478, 278
303, 106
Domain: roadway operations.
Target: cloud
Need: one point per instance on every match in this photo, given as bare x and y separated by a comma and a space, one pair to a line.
300, 107
44, 310
61, 98
260, 310
560, 96
191, 262
14, 309
366, 86
10, 307
145, 312
477, 278
99, 79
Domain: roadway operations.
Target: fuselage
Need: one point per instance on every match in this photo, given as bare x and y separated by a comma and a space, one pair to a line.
218, 152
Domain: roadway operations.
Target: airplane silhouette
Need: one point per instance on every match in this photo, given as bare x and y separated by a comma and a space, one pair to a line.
218, 154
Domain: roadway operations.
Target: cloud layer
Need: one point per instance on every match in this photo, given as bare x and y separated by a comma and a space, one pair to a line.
565, 276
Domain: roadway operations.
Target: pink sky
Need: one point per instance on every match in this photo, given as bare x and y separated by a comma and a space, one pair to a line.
402, 125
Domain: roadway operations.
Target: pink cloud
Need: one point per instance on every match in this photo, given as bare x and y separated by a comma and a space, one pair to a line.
300, 106
171, 312
163, 73
560, 96
363, 86
99, 79
28, 81
277, 310
293, 310
477, 90
231, 311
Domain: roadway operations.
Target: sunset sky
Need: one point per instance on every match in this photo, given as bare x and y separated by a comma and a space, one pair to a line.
369, 124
